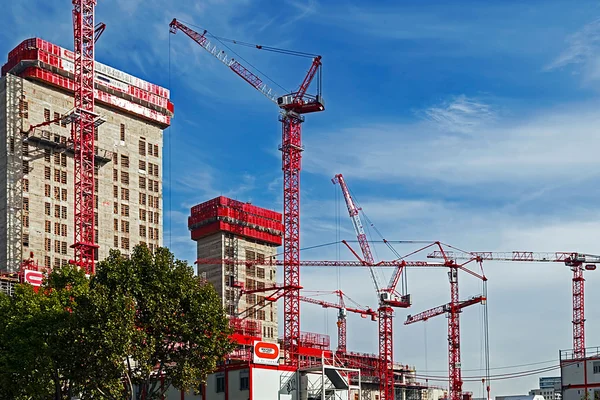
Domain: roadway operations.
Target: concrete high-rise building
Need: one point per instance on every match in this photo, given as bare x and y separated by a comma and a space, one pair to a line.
226, 229
36, 165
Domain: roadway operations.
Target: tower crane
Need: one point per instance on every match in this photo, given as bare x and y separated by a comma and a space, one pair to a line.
452, 309
292, 106
577, 262
342, 314
84, 122
388, 298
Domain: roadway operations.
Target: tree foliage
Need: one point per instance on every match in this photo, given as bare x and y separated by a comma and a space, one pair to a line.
181, 328
36, 337
138, 318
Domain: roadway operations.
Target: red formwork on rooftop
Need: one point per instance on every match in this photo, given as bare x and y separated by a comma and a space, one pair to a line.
223, 201
43, 61
244, 219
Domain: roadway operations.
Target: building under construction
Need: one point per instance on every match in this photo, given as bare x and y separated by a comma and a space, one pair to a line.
226, 229
36, 157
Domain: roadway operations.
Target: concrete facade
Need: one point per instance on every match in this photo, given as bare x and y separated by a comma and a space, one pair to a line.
128, 180
223, 245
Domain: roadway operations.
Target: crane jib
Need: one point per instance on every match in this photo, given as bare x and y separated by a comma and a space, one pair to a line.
246, 75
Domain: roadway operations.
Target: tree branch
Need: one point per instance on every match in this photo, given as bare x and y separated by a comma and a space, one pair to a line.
130, 384
102, 393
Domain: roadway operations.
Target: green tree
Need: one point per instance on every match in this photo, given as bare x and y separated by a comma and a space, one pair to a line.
36, 337
139, 317
181, 330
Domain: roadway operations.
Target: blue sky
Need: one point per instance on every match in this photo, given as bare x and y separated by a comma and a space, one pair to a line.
469, 122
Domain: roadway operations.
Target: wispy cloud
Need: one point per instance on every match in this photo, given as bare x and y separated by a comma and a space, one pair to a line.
460, 114
512, 151
303, 10
208, 182
582, 46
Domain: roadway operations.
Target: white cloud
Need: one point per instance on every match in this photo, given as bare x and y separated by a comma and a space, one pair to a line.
552, 146
461, 114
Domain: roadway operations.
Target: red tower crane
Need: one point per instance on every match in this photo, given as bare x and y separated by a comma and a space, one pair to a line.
452, 309
84, 122
293, 106
388, 298
342, 313
578, 262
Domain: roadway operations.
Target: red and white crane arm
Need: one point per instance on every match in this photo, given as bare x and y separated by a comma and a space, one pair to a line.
325, 304
353, 211
342, 263
299, 95
222, 56
525, 256
433, 312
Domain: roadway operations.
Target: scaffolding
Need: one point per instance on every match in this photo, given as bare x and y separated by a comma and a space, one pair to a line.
7, 285
44, 139
17, 114
231, 274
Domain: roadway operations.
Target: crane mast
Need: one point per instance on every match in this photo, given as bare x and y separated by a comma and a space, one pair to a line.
82, 135
292, 107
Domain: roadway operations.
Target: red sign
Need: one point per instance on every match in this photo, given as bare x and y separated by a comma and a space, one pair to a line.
34, 278
266, 353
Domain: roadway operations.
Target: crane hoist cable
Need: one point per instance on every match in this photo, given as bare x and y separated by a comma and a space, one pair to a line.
404, 287
222, 40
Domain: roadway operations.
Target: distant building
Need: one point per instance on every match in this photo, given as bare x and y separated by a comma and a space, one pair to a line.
434, 394
550, 388
521, 397
548, 393
550, 382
